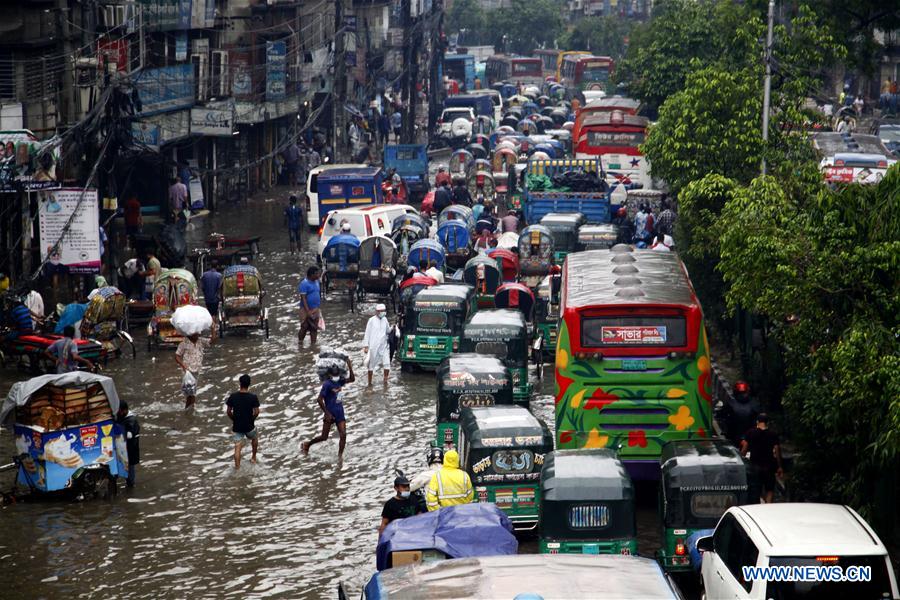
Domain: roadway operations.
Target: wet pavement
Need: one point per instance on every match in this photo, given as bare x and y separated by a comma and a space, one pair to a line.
290, 526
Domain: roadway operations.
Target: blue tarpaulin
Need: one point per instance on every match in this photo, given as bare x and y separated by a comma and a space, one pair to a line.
479, 529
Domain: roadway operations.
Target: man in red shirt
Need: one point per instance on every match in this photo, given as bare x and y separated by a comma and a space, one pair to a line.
133, 219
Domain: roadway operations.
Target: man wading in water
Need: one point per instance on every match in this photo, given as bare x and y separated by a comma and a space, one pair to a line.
332, 404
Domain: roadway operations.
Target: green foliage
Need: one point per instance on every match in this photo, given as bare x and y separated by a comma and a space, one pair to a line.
712, 126
524, 26
466, 15
604, 36
821, 266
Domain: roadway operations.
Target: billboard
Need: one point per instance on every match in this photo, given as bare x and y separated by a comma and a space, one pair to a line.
77, 247
165, 89
276, 73
22, 164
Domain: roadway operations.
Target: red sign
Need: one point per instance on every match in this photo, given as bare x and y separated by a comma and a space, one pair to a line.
112, 51
844, 174
88, 436
357, 191
634, 335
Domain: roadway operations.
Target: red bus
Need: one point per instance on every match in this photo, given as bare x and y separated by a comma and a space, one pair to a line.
620, 103
580, 73
615, 138
513, 69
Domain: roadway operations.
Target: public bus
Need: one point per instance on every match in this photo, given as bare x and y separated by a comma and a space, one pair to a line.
549, 59
632, 358
615, 138
579, 73
513, 69
560, 59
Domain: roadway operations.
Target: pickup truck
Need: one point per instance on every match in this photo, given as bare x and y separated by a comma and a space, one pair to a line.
594, 205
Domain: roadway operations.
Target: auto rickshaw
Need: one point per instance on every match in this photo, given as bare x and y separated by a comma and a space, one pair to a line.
242, 305
172, 289
601, 236
481, 273
503, 449
459, 162
378, 268
341, 259
455, 236
587, 504
564, 229
535, 254
700, 479
433, 323
106, 320
468, 380
502, 333
457, 212
425, 252
508, 261
67, 437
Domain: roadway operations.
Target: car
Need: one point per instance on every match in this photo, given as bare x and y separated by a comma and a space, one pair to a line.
451, 114
364, 222
794, 535
889, 133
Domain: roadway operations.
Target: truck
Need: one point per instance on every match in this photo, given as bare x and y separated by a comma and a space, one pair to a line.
341, 186
411, 162
594, 205
460, 67
481, 104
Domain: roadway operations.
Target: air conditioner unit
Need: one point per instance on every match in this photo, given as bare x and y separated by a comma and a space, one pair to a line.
201, 79
220, 87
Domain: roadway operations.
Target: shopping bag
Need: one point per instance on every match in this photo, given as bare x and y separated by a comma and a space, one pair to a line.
321, 324
189, 384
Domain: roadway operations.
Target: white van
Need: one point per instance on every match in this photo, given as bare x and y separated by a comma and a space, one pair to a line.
364, 222
312, 194
790, 535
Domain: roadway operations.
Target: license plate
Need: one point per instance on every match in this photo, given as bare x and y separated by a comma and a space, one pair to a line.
432, 341
590, 549
374, 272
614, 166
634, 365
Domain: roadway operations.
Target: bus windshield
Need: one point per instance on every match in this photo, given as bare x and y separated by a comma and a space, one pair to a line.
629, 139
596, 73
526, 68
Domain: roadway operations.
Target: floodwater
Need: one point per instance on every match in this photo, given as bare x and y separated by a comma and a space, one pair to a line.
290, 526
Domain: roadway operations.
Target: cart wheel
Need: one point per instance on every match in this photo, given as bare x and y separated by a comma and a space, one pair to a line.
222, 329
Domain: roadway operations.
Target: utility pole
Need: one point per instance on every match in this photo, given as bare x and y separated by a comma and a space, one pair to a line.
68, 82
412, 93
435, 87
339, 90
406, 20
767, 86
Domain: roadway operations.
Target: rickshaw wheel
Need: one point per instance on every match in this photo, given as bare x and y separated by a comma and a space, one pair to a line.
395, 300
112, 487
352, 294
267, 328
222, 328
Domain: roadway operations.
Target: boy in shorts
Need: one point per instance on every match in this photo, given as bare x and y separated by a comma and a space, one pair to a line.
243, 408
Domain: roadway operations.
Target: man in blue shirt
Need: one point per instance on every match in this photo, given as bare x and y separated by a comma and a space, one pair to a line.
211, 284
310, 301
332, 404
293, 217
19, 320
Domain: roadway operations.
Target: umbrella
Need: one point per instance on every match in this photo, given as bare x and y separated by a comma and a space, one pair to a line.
191, 320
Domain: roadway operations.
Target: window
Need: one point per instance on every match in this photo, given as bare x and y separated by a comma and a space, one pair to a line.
627, 139
498, 349
598, 332
589, 516
735, 549
432, 320
711, 505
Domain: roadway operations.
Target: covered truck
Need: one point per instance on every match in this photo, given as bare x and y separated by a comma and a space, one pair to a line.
567, 186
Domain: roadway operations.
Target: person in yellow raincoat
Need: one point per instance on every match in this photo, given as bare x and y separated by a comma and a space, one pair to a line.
450, 485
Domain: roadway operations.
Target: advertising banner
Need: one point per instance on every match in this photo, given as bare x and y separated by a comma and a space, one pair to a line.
165, 89
23, 166
276, 72
111, 52
146, 134
212, 121
241, 74
79, 248
181, 44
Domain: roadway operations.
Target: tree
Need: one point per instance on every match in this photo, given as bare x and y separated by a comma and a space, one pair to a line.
526, 25
604, 36
712, 126
821, 266
466, 15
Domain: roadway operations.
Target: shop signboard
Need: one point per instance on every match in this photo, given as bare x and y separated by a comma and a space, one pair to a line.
78, 246
276, 75
165, 89
241, 74
212, 121
22, 164
145, 134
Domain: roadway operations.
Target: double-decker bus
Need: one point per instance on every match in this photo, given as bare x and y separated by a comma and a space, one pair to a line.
632, 358
615, 138
580, 73
513, 69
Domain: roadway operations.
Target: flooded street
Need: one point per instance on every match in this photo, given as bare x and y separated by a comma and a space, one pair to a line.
290, 526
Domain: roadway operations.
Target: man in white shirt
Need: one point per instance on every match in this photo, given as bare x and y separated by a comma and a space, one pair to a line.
35, 303
435, 273
375, 343
660, 244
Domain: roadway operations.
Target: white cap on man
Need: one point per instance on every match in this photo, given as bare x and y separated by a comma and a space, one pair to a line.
380, 307
345, 227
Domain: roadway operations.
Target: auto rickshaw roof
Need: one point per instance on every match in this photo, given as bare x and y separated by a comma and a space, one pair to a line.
504, 421
472, 363
177, 274
500, 320
590, 474
573, 576
233, 270
22, 391
591, 278
703, 465
445, 292
572, 220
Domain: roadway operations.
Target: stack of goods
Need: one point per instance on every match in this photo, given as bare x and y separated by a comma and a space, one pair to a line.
329, 357
52, 407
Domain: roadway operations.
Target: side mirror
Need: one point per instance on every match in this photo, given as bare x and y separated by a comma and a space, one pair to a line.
705, 544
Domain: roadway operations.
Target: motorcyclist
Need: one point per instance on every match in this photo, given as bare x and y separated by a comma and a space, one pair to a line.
435, 459
450, 485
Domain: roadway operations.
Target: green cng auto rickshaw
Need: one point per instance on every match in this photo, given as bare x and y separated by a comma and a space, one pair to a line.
503, 448
564, 228
502, 333
433, 324
587, 504
468, 380
700, 480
